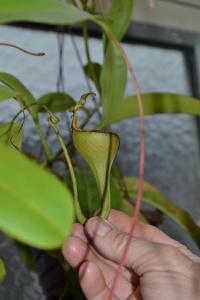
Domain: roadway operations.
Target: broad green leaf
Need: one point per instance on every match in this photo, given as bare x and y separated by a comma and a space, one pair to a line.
154, 197
35, 207
121, 13
98, 149
6, 93
113, 80
2, 270
154, 103
24, 97
11, 134
45, 11
55, 102
95, 77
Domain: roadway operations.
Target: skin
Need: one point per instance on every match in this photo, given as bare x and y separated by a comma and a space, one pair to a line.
156, 266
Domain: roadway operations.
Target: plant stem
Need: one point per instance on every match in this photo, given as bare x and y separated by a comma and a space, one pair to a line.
87, 52
81, 218
42, 138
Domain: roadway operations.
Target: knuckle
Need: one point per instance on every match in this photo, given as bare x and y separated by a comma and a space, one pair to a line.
183, 248
119, 240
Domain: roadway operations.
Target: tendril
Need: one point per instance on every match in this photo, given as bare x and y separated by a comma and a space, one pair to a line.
22, 49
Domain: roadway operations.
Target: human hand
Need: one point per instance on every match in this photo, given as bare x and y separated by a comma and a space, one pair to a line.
156, 266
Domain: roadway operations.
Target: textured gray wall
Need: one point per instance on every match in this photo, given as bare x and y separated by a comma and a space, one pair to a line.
172, 150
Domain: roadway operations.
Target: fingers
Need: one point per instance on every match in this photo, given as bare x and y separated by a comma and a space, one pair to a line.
148, 232
145, 231
76, 252
122, 222
143, 256
87, 252
93, 283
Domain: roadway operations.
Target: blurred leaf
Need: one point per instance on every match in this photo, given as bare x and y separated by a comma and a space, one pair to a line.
154, 197
125, 204
45, 11
55, 102
56, 253
129, 209
35, 208
97, 71
2, 270
113, 81
11, 134
6, 93
121, 13
122, 204
26, 256
154, 103
24, 97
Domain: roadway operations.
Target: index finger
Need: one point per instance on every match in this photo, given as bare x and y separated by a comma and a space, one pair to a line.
145, 231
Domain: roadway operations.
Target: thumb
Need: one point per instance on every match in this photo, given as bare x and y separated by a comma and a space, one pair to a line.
110, 243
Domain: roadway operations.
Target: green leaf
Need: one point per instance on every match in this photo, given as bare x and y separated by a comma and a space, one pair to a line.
26, 100
24, 97
55, 102
154, 197
121, 13
90, 199
95, 77
45, 11
88, 193
6, 93
35, 208
154, 103
11, 134
113, 80
2, 270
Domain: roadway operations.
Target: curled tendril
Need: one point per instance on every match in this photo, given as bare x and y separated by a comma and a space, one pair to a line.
22, 49
79, 105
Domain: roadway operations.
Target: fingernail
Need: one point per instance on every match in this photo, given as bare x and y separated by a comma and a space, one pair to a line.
99, 227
